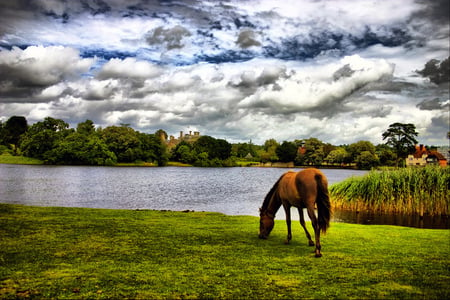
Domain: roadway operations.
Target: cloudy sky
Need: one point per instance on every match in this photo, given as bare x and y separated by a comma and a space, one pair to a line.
341, 71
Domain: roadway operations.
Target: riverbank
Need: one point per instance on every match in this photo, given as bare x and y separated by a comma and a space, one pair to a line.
23, 160
19, 160
95, 253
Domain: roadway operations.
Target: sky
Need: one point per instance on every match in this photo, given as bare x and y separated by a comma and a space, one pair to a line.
249, 70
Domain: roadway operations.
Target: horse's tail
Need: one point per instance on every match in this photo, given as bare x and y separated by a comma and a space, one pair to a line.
323, 203
270, 194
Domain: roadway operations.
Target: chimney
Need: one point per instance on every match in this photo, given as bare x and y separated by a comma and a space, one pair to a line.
181, 135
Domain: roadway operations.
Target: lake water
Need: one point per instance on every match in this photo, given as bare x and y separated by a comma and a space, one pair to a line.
232, 191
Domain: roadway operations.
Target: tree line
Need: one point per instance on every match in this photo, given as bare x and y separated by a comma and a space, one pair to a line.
53, 142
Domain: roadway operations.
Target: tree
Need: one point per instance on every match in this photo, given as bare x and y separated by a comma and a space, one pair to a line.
402, 137
287, 151
337, 156
124, 142
314, 152
215, 148
13, 129
357, 148
386, 155
86, 128
243, 149
153, 147
81, 149
366, 160
41, 138
269, 153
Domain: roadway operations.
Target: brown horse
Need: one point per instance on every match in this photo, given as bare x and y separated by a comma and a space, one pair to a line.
303, 189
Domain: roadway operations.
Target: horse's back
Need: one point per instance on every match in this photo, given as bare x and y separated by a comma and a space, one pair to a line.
306, 181
309, 176
287, 188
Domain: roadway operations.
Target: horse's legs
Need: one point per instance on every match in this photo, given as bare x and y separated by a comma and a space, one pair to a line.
315, 225
287, 210
302, 222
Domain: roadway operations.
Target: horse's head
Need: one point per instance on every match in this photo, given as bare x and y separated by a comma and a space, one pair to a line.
266, 223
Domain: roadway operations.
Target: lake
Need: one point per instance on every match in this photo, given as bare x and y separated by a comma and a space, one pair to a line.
232, 191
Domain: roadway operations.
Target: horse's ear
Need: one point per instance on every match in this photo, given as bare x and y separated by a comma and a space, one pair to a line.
260, 209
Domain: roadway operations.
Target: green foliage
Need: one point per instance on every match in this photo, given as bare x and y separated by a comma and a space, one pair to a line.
408, 190
366, 160
42, 137
123, 141
13, 129
241, 150
314, 154
338, 156
287, 151
204, 152
215, 148
402, 137
53, 142
386, 155
73, 253
82, 149
268, 153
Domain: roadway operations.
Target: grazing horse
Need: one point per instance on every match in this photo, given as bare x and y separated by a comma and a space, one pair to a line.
301, 189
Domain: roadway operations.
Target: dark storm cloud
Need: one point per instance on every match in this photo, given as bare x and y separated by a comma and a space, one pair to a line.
26, 72
171, 38
435, 11
248, 38
433, 104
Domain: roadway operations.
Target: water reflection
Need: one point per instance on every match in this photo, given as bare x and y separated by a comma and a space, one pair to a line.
369, 218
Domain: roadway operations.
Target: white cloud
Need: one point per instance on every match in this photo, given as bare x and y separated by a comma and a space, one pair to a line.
128, 68
42, 66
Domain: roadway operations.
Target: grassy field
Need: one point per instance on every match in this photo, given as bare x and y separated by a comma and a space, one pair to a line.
91, 253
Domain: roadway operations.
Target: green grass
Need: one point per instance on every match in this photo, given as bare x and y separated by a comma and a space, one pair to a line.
91, 253
408, 191
10, 159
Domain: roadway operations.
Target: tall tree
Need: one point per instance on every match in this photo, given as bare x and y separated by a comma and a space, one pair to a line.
287, 151
42, 137
14, 128
402, 137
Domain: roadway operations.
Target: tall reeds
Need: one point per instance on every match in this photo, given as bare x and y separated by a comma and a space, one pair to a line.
406, 191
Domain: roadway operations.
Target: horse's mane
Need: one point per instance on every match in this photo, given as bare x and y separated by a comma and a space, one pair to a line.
270, 194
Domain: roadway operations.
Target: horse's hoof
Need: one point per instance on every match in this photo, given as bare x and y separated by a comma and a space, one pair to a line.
286, 242
311, 243
318, 254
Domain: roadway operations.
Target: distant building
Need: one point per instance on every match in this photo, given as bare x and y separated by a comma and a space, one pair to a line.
423, 157
188, 137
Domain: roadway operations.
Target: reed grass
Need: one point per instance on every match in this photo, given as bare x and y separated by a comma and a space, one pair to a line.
406, 191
